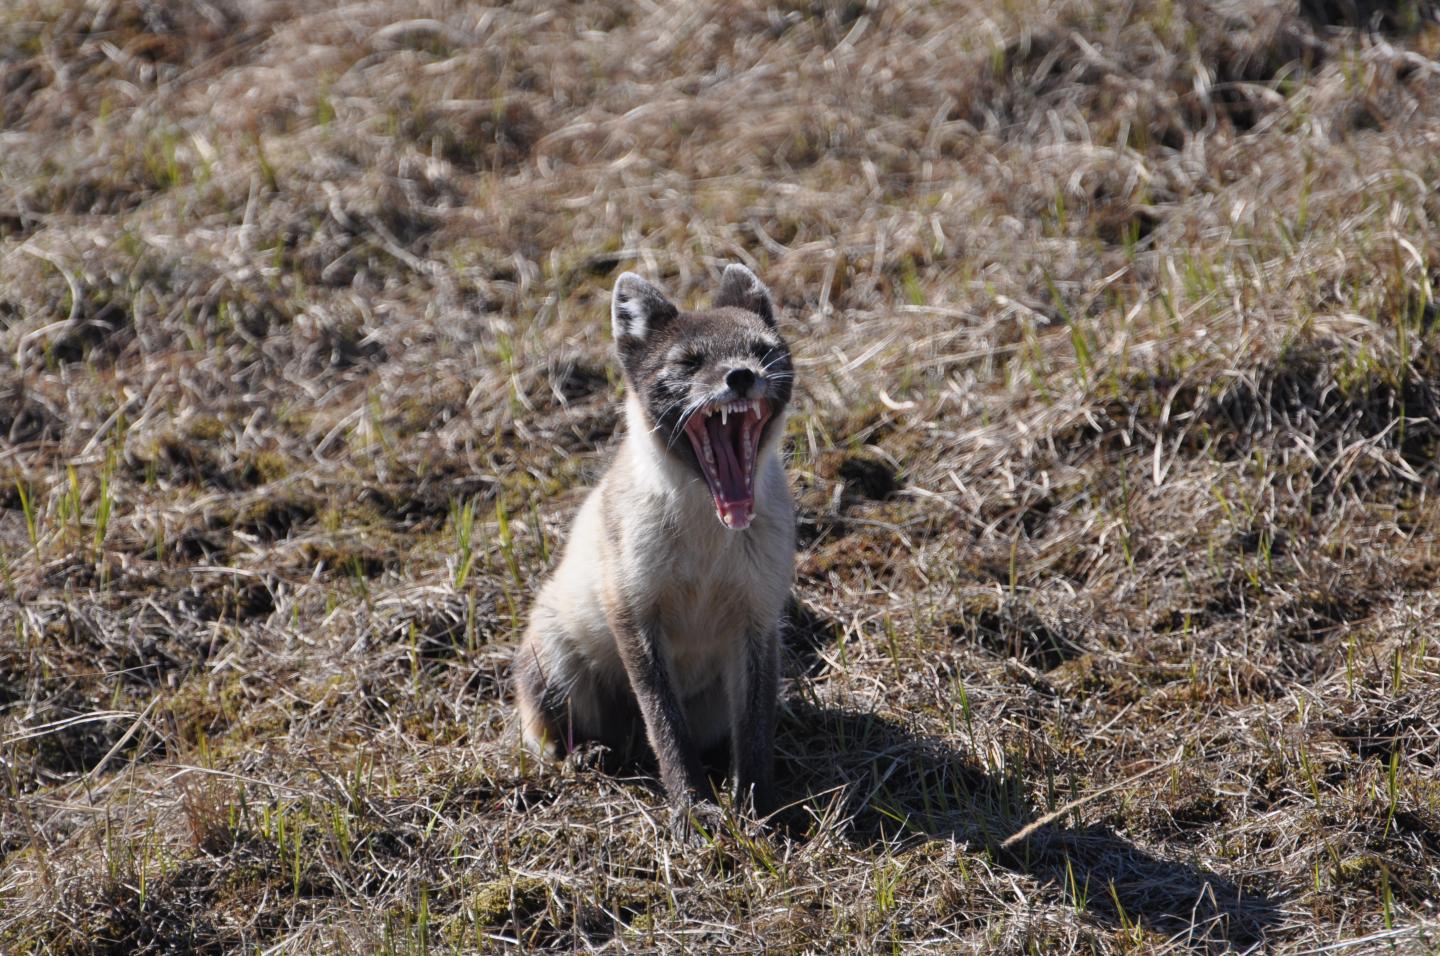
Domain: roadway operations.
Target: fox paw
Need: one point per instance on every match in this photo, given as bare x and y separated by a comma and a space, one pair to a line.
697, 823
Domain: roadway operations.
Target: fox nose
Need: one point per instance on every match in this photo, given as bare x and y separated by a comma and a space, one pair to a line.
739, 380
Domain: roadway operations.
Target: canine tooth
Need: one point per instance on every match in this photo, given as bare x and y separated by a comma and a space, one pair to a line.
724, 414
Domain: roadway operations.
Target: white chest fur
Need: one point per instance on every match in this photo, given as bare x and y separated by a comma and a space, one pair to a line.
710, 585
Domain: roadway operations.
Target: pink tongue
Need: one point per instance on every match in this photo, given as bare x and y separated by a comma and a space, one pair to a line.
733, 499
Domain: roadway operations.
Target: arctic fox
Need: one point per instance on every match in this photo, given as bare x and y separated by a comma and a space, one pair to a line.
663, 614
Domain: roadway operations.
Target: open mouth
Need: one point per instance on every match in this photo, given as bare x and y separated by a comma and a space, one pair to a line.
726, 438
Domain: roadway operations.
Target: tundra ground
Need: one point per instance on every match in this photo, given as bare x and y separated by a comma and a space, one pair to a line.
1115, 448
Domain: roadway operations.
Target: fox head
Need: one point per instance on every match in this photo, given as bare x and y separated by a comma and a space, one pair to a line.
712, 385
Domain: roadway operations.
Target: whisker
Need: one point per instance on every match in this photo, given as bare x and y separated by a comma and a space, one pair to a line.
772, 362
666, 410
690, 409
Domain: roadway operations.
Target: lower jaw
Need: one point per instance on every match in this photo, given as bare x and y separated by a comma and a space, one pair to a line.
735, 515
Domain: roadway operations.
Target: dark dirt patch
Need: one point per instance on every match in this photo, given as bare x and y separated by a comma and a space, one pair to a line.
100, 328
427, 500
277, 516
72, 737
863, 476
1380, 729
478, 136
234, 599
24, 416
1006, 629
1384, 16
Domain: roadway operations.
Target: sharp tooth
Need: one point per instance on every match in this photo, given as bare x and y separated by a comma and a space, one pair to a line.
724, 414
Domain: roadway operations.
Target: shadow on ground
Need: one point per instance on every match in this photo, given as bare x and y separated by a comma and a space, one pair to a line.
884, 784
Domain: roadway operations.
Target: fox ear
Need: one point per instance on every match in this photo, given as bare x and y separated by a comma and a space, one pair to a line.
740, 288
637, 309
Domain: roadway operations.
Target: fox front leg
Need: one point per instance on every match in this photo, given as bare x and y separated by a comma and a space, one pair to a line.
754, 696
643, 654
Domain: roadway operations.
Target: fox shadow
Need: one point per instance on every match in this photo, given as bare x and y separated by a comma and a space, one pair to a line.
878, 783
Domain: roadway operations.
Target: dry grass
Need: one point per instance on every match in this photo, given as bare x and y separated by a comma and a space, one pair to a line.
1116, 449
